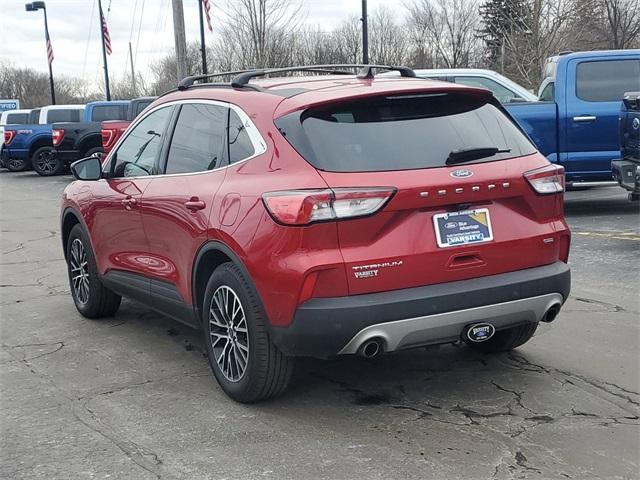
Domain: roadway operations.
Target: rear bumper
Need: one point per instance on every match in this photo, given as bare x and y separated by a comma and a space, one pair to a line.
433, 314
627, 173
67, 156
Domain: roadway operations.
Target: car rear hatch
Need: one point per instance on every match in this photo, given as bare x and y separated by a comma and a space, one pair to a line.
448, 168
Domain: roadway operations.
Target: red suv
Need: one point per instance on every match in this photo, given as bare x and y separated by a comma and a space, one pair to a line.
321, 215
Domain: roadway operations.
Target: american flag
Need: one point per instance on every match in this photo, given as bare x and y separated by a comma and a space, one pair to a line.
105, 35
207, 7
49, 50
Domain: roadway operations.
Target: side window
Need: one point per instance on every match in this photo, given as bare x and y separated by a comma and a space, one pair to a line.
101, 113
240, 145
607, 80
548, 94
198, 140
34, 116
136, 156
503, 94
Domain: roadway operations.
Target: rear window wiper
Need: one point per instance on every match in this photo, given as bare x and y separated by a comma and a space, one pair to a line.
470, 154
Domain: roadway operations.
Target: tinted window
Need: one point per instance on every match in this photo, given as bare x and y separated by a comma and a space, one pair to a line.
198, 139
64, 115
15, 118
138, 107
34, 116
503, 94
137, 154
401, 132
548, 94
109, 112
240, 146
607, 81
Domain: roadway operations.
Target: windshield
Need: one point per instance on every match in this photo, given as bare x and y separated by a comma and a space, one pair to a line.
402, 132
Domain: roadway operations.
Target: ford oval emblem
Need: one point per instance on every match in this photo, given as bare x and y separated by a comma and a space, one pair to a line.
480, 332
636, 123
461, 173
451, 225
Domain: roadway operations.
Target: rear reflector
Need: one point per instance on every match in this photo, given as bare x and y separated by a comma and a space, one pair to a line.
57, 134
546, 180
9, 135
302, 207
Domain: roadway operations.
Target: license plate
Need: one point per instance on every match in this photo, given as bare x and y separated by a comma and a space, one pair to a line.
463, 228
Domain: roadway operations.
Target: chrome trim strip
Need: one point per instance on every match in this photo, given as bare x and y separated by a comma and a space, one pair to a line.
446, 327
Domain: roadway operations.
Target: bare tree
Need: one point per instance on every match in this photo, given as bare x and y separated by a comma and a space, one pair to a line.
445, 31
622, 18
388, 41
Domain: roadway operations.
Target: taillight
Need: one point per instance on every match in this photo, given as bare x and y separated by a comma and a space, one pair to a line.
107, 135
546, 180
302, 207
9, 135
57, 134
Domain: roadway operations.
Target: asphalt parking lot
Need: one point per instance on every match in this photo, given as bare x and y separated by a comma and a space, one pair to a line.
132, 397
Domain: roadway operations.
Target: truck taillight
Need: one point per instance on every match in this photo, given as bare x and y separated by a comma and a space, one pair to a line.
302, 207
9, 135
546, 180
57, 134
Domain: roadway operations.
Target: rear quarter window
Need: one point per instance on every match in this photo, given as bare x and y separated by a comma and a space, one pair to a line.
402, 132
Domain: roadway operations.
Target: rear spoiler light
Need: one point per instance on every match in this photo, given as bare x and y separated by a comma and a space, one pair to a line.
303, 207
9, 135
546, 180
57, 134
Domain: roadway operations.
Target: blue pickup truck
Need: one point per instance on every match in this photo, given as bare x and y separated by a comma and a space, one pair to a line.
575, 123
25, 142
32, 145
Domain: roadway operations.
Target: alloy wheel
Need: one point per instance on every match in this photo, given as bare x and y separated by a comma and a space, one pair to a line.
46, 163
79, 271
229, 334
16, 164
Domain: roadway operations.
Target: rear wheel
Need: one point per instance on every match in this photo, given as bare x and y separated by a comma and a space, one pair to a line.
18, 164
247, 365
92, 299
505, 340
46, 162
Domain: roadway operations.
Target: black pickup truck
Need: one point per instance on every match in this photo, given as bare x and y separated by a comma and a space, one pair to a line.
627, 170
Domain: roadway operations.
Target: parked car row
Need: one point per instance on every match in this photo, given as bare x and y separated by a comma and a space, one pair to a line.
48, 139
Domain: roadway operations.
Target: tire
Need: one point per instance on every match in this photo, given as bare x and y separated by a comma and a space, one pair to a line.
505, 340
92, 299
93, 151
18, 165
266, 371
46, 162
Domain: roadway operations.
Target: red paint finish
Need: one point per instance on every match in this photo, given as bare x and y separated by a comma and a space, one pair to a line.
154, 226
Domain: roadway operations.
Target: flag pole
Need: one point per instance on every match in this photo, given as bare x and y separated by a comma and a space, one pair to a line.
104, 53
203, 48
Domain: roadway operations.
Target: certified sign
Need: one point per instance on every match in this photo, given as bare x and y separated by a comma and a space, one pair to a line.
9, 105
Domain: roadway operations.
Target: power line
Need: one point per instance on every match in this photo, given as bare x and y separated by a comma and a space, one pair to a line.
86, 48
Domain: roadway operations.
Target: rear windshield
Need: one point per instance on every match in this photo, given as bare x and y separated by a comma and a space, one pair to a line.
15, 118
109, 112
64, 115
402, 132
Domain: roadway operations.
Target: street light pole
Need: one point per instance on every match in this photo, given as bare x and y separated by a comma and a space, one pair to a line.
32, 7
365, 33
203, 48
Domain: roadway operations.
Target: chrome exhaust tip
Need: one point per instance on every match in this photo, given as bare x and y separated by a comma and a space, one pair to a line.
551, 314
371, 348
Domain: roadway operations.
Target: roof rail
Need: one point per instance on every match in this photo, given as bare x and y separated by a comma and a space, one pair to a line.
243, 78
186, 82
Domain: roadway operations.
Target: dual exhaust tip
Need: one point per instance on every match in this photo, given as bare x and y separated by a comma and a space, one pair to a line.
375, 346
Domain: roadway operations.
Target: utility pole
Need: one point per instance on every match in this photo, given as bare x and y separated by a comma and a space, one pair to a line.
181, 42
104, 53
203, 48
365, 33
133, 74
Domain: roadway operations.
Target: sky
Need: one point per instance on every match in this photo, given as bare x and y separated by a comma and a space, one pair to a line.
147, 24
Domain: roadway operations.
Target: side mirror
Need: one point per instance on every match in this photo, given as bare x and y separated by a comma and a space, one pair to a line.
89, 168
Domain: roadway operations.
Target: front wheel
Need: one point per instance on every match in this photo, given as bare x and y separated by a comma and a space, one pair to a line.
246, 364
18, 164
46, 162
92, 299
505, 340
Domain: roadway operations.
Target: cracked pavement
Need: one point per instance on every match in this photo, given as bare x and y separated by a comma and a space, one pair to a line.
131, 397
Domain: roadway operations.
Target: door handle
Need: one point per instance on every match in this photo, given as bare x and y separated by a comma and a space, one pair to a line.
584, 118
129, 202
195, 204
